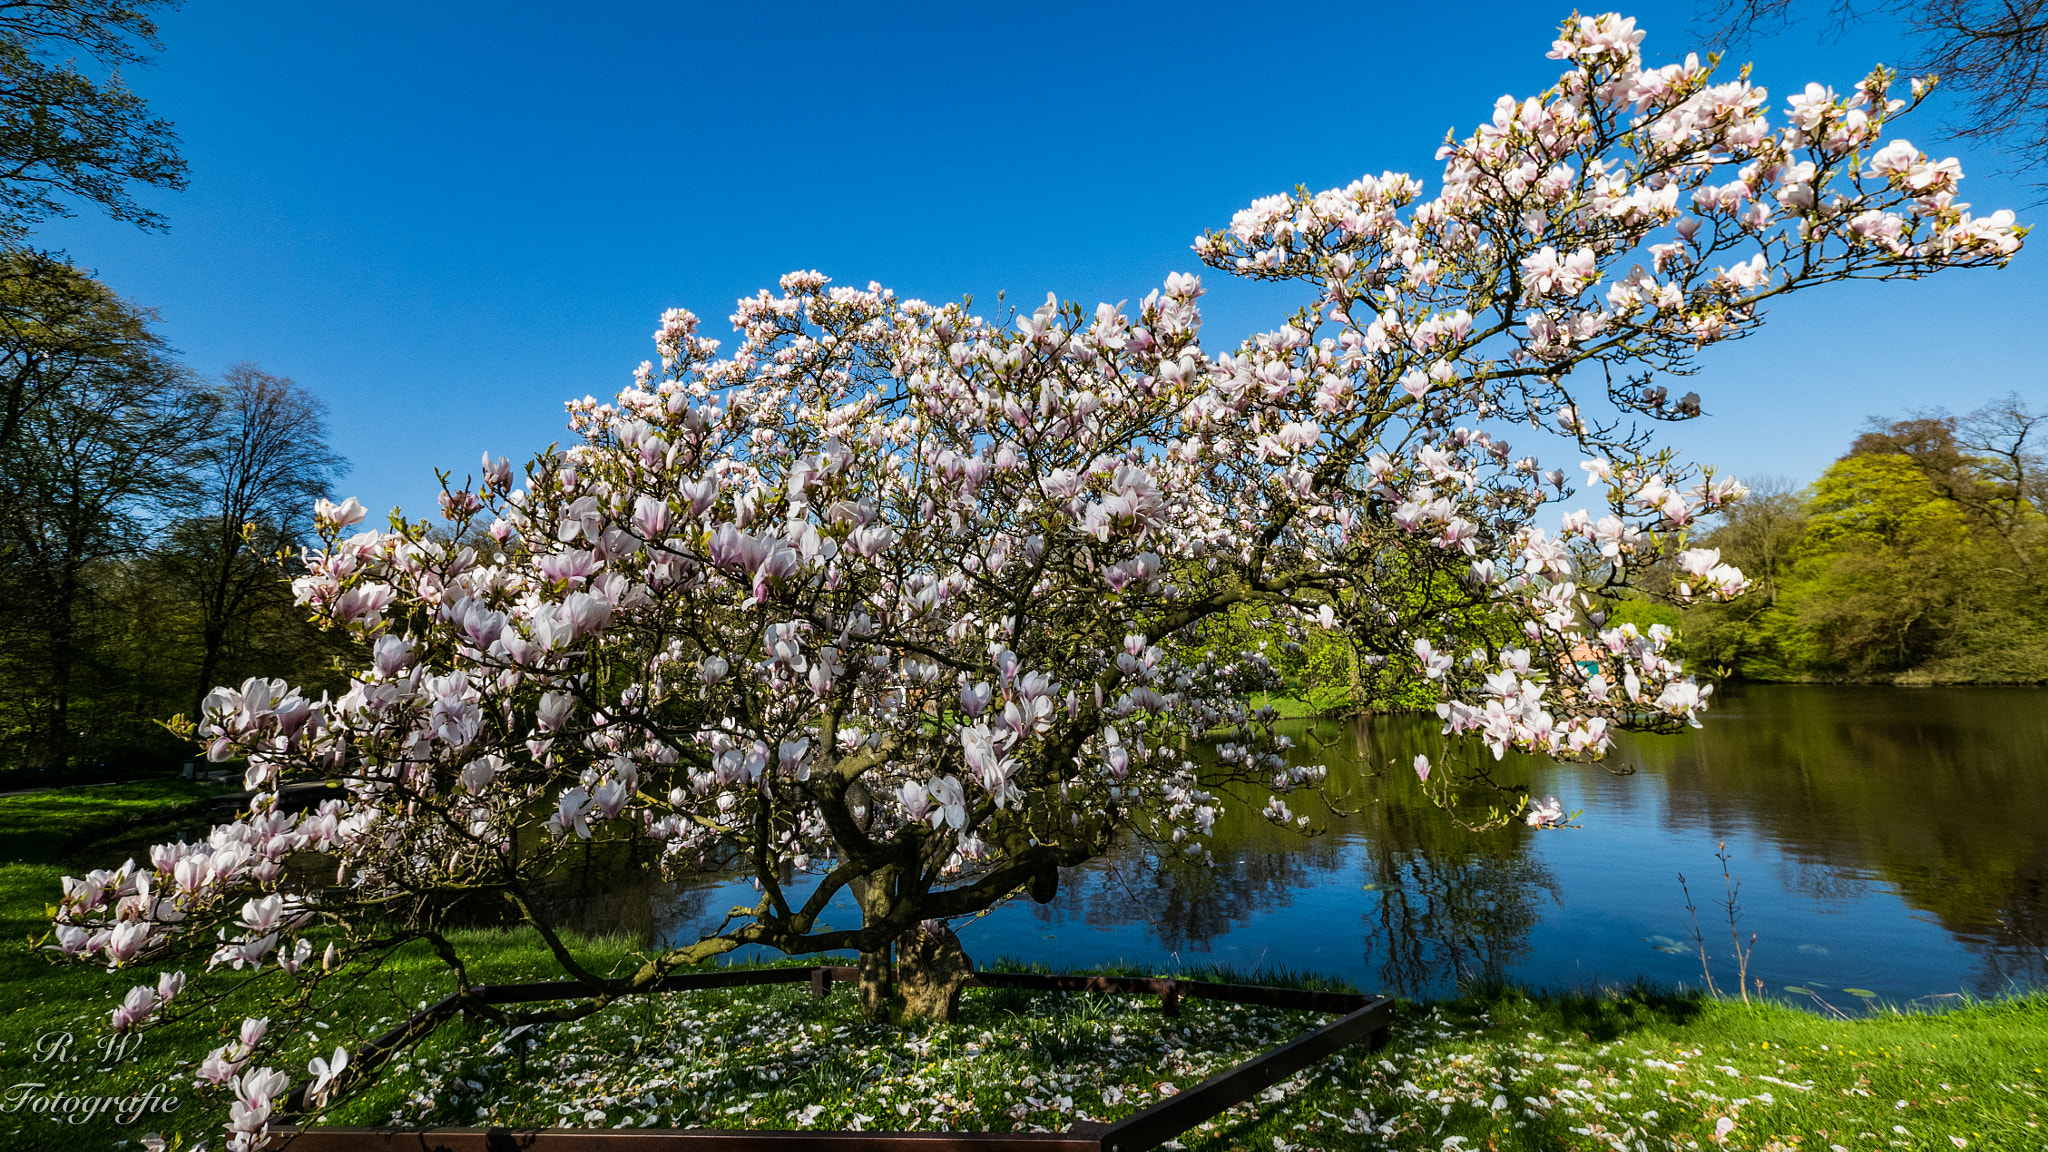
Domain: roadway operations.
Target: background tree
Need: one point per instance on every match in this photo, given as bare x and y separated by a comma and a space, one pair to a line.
1880, 566
58, 325
93, 466
265, 462
1989, 464
67, 137
1918, 553
1761, 536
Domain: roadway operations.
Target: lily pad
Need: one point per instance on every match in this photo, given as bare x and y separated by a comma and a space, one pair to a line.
1796, 990
1866, 993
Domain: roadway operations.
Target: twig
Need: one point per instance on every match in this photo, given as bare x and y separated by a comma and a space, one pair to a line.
1699, 939
1734, 906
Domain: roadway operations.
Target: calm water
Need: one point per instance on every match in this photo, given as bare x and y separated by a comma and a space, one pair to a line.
1892, 840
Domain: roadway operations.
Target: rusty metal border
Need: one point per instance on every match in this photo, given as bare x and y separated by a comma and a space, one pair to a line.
1363, 1018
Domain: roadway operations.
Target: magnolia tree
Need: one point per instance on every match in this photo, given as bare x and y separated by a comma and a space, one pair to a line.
901, 601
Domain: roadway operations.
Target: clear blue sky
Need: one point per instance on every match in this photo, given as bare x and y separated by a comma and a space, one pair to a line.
447, 218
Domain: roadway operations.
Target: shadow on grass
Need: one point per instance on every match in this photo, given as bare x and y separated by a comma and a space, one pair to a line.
1265, 976
1600, 1014
59, 825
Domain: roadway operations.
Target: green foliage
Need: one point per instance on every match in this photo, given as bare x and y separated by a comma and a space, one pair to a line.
1320, 671
1919, 556
66, 135
1647, 614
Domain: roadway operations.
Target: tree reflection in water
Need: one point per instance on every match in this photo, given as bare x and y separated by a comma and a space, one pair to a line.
607, 888
1859, 810
1441, 906
1458, 920
1936, 792
1454, 907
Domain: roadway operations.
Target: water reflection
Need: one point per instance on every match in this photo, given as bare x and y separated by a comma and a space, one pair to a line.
1887, 839
1933, 794
612, 889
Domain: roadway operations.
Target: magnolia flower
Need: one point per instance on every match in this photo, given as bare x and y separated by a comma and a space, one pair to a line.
585, 614
325, 1073
135, 1008
1699, 561
218, 1068
478, 774
554, 711
332, 517
263, 914
949, 803
572, 810
364, 603
391, 655
126, 941
916, 801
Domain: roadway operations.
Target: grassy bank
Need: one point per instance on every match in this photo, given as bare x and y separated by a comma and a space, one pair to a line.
48, 826
1632, 1069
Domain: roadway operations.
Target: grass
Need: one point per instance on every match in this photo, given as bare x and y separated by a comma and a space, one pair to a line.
1633, 1069
46, 827
1289, 707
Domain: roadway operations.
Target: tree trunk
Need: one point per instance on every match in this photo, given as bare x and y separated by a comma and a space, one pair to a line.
932, 971
63, 656
877, 988
877, 972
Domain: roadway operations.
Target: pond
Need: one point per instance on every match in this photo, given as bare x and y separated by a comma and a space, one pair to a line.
1888, 840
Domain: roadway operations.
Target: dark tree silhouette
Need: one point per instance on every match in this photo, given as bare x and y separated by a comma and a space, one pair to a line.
66, 136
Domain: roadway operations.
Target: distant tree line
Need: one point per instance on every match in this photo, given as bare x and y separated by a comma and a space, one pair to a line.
146, 520
1921, 554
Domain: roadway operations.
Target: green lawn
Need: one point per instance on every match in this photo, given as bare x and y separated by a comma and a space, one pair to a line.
44, 827
1632, 1069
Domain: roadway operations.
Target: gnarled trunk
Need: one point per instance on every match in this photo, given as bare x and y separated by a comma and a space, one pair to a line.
931, 971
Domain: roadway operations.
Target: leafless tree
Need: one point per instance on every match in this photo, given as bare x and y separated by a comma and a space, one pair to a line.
265, 463
2005, 440
1989, 463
